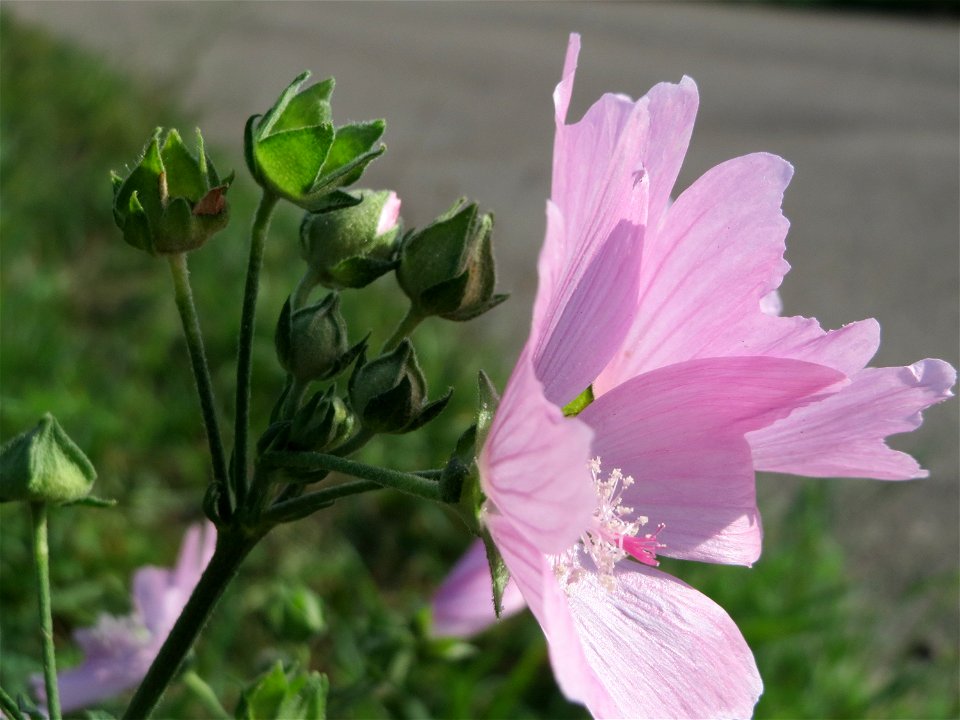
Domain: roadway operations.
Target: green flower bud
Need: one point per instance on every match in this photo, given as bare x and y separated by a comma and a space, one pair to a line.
447, 268
324, 422
171, 202
350, 247
294, 151
44, 465
389, 394
312, 342
295, 613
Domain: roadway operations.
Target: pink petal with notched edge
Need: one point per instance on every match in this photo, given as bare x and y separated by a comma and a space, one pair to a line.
463, 604
843, 435
679, 431
706, 272
532, 466
652, 647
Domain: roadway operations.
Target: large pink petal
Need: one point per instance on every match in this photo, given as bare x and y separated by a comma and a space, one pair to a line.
533, 466
843, 435
706, 274
593, 320
533, 574
679, 431
652, 647
463, 604
672, 110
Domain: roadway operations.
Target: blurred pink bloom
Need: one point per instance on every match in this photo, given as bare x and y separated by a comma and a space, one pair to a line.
670, 313
118, 650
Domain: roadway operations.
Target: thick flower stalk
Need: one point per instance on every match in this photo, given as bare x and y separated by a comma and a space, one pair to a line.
660, 321
118, 650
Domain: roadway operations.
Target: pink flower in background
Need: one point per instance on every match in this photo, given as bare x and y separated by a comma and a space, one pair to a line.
118, 650
670, 313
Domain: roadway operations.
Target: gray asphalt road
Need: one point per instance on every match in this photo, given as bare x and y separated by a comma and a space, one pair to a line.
865, 107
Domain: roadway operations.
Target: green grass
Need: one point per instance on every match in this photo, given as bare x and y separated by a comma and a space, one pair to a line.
89, 331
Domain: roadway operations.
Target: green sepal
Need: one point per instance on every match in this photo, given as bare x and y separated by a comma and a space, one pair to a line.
184, 174
351, 152
447, 268
488, 400
285, 695
499, 573
389, 394
172, 201
579, 403
311, 342
295, 152
44, 465
289, 162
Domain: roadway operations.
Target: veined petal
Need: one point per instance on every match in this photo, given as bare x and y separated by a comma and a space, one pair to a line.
683, 655
533, 466
594, 319
463, 604
707, 275
679, 431
843, 435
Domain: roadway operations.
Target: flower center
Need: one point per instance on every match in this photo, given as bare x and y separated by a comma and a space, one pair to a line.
612, 535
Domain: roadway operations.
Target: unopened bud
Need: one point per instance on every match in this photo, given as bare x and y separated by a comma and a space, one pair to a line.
294, 150
322, 423
171, 202
447, 268
389, 394
44, 465
312, 342
350, 247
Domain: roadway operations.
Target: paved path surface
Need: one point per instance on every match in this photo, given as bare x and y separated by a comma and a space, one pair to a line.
865, 107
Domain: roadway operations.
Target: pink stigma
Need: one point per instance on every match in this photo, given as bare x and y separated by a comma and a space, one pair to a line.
643, 548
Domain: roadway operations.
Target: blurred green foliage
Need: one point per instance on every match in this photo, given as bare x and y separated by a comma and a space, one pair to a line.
89, 331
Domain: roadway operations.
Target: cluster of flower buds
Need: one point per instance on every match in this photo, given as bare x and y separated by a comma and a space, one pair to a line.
171, 202
294, 151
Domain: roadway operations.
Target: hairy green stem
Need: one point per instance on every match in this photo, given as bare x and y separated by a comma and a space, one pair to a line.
299, 507
353, 444
201, 373
302, 292
404, 482
232, 548
9, 706
258, 234
406, 326
41, 557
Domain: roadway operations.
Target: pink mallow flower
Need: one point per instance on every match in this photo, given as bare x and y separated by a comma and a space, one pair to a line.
119, 650
670, 313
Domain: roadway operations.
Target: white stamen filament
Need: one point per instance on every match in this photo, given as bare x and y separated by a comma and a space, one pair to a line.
611, 536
